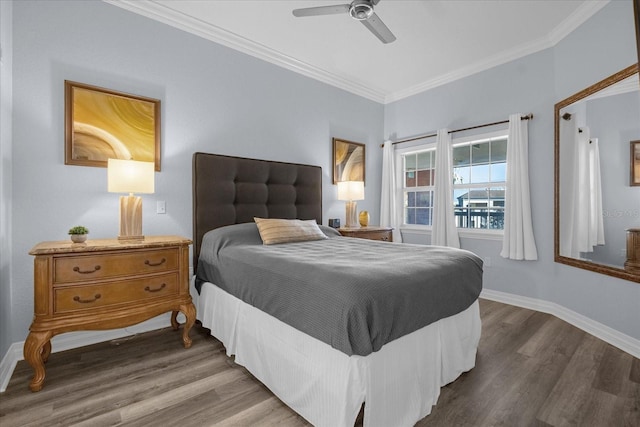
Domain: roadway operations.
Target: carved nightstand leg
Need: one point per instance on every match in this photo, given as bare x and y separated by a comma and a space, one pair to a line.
37, 348
46, 351
174, 320
189, 311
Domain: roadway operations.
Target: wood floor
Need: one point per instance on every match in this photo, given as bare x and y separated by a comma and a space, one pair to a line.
532, 370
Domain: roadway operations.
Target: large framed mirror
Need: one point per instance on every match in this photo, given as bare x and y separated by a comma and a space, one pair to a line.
597, 211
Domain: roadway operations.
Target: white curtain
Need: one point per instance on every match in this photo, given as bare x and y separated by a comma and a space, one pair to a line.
518, 241
587, 228
596, 231
444, 231
569, 138
388, 206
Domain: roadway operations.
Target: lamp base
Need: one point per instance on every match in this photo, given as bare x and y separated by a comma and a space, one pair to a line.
130, 218
352, 217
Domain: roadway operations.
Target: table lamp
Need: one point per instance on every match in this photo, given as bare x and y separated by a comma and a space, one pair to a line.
130, 176
351, 191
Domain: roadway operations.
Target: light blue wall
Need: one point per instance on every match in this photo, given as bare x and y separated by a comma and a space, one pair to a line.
5, 175
214, 99
597, 49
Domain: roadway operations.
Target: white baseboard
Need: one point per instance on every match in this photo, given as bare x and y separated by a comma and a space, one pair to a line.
615, 338
79, 339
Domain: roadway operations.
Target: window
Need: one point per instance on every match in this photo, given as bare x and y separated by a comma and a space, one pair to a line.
419, 173
479, 176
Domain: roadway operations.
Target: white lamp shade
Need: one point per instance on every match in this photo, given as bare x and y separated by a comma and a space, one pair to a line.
351, 190
130, 176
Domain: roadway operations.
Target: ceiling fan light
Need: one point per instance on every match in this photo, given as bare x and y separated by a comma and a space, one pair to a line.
360, 11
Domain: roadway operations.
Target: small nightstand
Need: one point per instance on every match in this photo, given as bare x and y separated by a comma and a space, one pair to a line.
370, 232
105, 284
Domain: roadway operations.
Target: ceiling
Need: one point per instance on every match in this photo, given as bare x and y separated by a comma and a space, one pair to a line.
437, 41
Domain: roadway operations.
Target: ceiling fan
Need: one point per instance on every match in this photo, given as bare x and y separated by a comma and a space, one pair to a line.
360, 10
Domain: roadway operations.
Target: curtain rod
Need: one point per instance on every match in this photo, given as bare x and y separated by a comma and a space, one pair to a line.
527, 117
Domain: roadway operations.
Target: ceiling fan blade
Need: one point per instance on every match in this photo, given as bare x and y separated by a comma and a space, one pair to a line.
322, 10
377, 27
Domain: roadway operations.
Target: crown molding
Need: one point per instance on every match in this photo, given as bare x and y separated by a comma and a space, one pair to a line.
487, 63
178, 20
585, 11
226, 38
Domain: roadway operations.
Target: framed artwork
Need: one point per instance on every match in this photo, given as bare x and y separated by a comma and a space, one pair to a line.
635, 163
348, 161
101, 124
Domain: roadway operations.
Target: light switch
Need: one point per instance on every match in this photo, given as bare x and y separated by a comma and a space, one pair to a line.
161, 207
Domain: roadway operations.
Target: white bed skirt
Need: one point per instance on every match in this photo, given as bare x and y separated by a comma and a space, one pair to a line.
399, 383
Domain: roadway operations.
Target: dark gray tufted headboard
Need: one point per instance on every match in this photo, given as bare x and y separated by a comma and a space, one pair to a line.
232, 190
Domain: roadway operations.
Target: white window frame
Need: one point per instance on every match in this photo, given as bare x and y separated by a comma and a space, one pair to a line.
474, 233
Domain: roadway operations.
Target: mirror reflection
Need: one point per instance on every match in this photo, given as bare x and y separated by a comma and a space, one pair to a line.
597, 206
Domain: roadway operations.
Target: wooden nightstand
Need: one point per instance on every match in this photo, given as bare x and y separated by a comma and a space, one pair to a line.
105, 284
370, 232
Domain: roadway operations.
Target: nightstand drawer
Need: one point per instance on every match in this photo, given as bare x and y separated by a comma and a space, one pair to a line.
378, 235
370, 233
91, 267
72, 298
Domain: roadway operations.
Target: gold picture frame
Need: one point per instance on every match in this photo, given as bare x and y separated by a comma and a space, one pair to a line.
348, 161
102, 123
634, 167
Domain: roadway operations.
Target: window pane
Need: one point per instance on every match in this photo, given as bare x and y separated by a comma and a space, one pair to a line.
424, 178
496, 208
462, 219
424, 160
410, 217
498, 172
461, 175
410, 200
423, 216
499, 150
479, 174
410, 162
410, 179
480, 153
423, 199
496, 195
478, 198
461, 197
461, 156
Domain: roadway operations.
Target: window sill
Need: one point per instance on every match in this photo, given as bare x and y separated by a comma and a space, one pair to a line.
466, 234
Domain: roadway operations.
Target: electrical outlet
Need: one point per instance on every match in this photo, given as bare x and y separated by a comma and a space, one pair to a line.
161, 207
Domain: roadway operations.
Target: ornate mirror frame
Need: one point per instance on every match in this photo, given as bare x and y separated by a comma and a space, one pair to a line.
587, 265
636, 12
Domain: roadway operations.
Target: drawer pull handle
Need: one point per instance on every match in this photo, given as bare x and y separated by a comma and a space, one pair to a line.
77, 269
87, 301
150, 264
148, 289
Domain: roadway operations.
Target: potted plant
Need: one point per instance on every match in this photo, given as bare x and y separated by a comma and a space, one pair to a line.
78, 233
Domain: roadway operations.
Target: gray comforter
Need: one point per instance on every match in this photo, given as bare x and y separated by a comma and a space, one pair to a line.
355, 295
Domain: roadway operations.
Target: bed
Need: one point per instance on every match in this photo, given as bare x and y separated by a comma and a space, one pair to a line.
332, 323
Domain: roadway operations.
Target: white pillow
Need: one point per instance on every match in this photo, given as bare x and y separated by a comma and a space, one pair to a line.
274, 231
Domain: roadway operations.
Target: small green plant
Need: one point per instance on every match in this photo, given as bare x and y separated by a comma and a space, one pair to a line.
79, 229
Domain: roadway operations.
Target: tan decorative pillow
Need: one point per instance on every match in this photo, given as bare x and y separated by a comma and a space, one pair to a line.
274, 231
